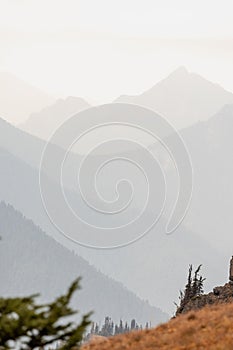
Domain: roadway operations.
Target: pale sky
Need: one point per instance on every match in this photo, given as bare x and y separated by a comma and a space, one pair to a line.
99, 49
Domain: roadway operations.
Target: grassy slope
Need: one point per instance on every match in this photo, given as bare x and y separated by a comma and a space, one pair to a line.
210, 328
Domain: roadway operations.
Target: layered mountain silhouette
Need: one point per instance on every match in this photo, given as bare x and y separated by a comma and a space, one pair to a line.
183, 98
210, 144
32, 262
20, 143
19, 99
46, 121
160, 261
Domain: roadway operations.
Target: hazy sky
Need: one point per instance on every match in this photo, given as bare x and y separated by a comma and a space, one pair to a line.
102, 48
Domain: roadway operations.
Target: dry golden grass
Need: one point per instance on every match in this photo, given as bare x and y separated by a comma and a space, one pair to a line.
208, 329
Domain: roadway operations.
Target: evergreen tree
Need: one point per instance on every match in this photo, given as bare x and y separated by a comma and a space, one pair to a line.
92, 328
193, 288
116, 331
107, 329
96, 329
24, 324
133, 325
121, 328
126, 330
112, 328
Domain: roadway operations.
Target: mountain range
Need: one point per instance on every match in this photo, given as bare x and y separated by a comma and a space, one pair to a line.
33, 262
46, 121
18, 99
210, 145
183, 98
160, 261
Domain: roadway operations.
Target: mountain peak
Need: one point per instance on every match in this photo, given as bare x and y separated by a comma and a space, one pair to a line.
180, 71
183, 97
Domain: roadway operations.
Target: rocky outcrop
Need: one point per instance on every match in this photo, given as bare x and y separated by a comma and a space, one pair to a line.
219, 295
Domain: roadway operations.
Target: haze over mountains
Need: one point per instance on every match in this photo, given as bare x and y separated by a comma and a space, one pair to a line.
34, 262
158, 262
183, 98
154, 267
210, 144
18, 99
46, 121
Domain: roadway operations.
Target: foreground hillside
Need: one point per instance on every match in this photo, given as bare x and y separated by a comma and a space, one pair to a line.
210, 328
